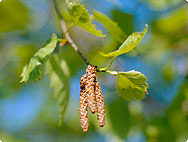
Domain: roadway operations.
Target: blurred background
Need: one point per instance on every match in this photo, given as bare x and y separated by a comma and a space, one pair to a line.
29, 112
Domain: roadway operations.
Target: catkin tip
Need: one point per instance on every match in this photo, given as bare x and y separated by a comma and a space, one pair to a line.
83, 105
100, 105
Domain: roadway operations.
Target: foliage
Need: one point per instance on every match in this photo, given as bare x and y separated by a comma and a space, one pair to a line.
58, 71
81, 18
131, 85
32, 71
161, 116
112, 26
130, 43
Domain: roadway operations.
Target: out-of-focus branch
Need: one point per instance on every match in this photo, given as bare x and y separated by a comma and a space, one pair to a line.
67, 36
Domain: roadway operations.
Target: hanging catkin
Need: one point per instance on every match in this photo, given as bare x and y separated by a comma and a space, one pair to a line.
100, 105
91, 95
83, 104
90, 86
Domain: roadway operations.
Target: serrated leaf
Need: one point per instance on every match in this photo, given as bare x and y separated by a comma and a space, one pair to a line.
32, 71
58, 72
81, 18
115, 31
130, 43
131, 85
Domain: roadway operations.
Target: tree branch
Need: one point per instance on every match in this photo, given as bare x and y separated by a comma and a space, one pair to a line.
67, 36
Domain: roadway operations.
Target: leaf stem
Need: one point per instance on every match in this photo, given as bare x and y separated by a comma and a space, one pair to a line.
108, 71
61, 40
109, 65
68, 28
66, 34
111, 72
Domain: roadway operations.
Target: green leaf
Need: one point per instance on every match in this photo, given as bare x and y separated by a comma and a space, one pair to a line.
131, 85
130, 43
58, 72
32, 71
81, 18
14, 15
111, 26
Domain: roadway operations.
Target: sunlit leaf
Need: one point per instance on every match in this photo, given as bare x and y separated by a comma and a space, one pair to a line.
32, 71
81, 18
112, 26
13, 16
58, 72
131, 85
130, 43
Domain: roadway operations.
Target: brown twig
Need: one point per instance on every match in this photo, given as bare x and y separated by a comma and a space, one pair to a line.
67, 36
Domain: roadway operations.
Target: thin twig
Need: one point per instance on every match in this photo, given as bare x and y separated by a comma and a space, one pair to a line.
69, 27
67, 36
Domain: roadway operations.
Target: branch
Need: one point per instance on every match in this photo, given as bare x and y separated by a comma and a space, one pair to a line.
67, 36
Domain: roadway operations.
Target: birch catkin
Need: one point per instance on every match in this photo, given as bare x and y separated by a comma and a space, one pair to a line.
90, 86
100, 105
83, 105
91, 96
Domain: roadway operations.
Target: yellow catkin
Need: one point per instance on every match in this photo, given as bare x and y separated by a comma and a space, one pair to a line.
90, 86
100, 105
83, 105
83, 81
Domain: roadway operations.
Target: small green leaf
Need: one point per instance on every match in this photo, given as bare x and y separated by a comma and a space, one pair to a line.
130, 43
111, 26
58, 72
81, 18
32, 71
131, 85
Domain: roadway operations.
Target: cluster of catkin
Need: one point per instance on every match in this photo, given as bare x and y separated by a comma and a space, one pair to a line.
91, 96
